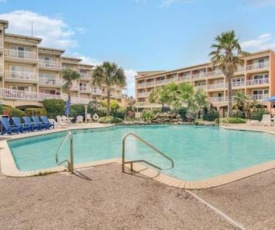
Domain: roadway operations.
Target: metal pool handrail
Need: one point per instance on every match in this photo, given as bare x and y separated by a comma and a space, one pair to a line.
71, 160
144, 161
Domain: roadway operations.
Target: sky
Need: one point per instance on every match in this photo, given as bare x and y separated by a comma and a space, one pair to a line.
142, 35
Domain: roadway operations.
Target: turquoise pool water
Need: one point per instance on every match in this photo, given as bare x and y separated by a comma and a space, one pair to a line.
198, 152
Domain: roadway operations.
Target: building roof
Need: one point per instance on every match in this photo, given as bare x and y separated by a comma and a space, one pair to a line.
38, 40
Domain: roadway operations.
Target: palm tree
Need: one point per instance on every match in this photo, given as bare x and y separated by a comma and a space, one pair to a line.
227, 56
165, 94
69, 75
108, 74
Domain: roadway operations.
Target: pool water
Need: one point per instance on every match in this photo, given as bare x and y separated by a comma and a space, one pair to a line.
198, 152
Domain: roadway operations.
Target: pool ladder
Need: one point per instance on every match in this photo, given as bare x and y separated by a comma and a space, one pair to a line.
142, 161
71, 160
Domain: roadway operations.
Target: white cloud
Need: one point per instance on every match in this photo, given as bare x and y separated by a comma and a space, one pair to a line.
54, 32
264, 41
130, 75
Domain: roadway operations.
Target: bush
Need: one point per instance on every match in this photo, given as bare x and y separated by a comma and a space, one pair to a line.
257, 115
147, 115
13, 112
35, 111
54, 107
77, 109
109, 120
182, 112
231, 120
210, 116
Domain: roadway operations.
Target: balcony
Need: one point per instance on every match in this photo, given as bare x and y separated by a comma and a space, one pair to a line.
18, 55
257, 66
75, 88
184, 77
20, 76
202, 87
1, 70
85, 76
260, 97
216, 86
50, 82
84, 89
143, 94
257, 82
218, 99
238, 84
199, 75
50, 65
215, 73
96, 91
160, 82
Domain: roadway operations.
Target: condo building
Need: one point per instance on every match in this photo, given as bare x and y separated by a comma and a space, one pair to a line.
256, 78
30, 73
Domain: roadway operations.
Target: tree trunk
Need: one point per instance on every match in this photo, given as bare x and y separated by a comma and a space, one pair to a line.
229, 111
108, 101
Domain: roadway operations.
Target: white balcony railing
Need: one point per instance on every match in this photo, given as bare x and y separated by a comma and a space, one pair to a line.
256, 66
84, 89
199, 75
75, 87
18, 75
216, 86
34, 96
161, 82
214, 73
21, 55
236, 84
200, 87
50, 65
260, 97
96, 91
85, 76
50, 81
218, 99
143, 94
258, 82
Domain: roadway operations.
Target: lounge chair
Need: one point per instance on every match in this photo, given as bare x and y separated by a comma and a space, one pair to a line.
47, 123
33, 126
7, 127
79, 119
20, 126
266, 119
37, 122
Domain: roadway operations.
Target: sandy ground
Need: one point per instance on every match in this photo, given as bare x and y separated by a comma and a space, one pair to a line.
104, 198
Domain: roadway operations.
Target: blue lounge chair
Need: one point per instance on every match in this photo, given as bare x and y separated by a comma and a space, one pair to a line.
19, 125
27, 121
36, 121
45, 121
7, 127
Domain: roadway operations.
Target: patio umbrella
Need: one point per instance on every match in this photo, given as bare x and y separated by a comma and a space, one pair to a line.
67, 108
271, 99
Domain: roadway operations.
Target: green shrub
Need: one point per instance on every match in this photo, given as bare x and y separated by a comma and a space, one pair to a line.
147, 115
182, 112
258, 114
76, 110
231, 120
210, 116
54, 107
109, 120
13, 112
35, 111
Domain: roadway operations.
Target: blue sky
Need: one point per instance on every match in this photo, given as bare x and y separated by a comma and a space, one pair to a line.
142, 35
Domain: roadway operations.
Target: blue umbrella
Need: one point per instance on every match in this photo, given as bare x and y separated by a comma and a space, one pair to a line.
67, 109
272, 99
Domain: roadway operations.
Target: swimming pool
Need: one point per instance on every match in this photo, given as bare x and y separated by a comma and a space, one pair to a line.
198, 152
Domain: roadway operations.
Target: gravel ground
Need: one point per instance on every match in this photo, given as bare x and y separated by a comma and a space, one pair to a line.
104, 198
250, 202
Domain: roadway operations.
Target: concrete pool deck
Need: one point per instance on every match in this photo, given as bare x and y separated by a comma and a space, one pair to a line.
104, 198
